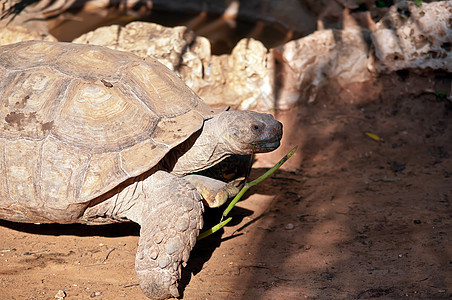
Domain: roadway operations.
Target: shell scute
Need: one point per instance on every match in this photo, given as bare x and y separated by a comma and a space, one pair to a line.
101, 118
22, 170
29, 102
26, 55
90, 62
103, 167
64, 170
159, 89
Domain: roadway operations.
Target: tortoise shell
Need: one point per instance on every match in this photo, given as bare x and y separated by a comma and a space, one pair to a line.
77, 120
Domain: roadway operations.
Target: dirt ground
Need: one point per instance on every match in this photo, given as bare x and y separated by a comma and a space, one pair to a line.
347, 217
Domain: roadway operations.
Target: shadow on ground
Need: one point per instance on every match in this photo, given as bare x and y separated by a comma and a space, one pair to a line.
357, 217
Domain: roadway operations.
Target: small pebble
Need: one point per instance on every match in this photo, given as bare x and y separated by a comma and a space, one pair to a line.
60, 294
95, 294
289, 226
417, 222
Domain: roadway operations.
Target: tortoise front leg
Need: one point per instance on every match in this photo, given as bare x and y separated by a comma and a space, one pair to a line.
171, 217
215, 192
169, 210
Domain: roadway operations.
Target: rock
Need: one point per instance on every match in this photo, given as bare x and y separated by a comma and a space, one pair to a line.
95, 294
243, 79
325, 59
414, 36
46, 16
15, 34
289, 226
323, 64
175, 47
17, 13
60, 295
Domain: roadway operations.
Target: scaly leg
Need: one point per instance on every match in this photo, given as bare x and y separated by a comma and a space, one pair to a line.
169, 210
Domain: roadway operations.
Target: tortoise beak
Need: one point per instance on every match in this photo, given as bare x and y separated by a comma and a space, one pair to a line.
270, 138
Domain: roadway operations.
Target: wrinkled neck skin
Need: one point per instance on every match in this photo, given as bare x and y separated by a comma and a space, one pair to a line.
228, 133
208, 150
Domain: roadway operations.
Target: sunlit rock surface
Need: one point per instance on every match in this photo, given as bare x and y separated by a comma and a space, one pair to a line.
243, 79
15, 34
324, 63
251, 77
414, 36
177, 48
325, 58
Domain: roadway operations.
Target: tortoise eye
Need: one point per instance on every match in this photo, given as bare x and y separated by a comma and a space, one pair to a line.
256, 128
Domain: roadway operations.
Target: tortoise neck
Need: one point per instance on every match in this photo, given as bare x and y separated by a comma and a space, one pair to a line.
206, 151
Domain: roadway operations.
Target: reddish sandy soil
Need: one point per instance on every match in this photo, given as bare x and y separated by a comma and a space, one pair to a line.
347, 217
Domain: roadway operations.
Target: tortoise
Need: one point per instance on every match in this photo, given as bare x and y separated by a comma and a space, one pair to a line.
93, 135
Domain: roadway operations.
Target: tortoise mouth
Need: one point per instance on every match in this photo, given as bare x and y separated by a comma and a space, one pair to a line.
267, 145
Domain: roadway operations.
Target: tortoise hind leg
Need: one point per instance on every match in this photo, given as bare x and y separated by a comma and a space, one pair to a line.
170, 223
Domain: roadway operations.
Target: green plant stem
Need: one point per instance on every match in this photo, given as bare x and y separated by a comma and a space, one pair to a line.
214, 228
243, 191
256, 181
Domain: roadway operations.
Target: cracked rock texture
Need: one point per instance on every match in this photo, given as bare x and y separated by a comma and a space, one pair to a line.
243, 79
15, 34
408, 37
326, 57
414, 37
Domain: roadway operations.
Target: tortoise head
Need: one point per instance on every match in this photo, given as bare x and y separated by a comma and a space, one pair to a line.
246, 131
